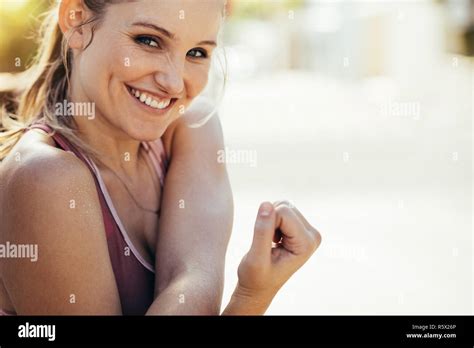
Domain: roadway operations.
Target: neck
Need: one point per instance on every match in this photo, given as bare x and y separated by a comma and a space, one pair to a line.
117, 151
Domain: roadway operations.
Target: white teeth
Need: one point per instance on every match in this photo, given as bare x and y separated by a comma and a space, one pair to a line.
148, 100
164, 104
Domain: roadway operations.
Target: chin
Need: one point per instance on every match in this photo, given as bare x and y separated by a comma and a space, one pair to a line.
146, 131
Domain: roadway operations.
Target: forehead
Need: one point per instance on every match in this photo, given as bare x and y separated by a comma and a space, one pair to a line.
187, 19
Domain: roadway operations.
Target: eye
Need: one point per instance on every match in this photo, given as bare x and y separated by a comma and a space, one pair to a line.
197, 53
148, 41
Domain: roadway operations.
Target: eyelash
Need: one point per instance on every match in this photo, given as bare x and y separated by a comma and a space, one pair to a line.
146, 40
200, 50
149, 39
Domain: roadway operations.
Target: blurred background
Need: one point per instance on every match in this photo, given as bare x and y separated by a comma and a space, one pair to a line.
360, 112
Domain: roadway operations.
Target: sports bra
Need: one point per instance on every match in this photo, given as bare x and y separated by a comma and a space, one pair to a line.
135, 276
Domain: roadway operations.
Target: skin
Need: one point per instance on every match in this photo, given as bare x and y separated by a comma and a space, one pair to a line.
190, 248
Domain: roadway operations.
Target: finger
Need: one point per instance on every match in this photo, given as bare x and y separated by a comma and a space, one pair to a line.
264, 231
282, 202
303, 219
297, 212
288, 221
307, 225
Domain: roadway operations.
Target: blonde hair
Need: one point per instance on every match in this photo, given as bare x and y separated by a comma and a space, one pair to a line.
44, 84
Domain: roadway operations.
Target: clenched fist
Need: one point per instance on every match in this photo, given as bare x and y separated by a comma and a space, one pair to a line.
283, 241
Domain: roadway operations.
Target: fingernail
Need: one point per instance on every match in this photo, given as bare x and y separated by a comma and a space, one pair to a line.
265, 209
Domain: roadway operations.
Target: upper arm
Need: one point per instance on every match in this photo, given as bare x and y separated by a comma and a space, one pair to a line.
51, 203
197, 207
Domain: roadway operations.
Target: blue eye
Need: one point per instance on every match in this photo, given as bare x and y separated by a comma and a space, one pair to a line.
147, 40
197, 53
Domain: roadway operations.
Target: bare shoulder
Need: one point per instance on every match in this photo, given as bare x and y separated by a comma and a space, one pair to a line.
48, 199
35, 170
187, 131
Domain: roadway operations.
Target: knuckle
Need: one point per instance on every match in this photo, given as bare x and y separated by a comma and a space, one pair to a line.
315, 239
318, 238
284, 203
283, 210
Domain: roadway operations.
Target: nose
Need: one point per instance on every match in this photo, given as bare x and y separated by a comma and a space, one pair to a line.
169, 77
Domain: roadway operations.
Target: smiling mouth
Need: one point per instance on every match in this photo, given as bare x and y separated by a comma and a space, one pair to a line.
151, 101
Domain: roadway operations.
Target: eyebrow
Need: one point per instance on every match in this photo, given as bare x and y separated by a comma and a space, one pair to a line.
208, 42
156, 28
169, 35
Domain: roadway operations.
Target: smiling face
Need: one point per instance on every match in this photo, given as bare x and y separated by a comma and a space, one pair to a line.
147, 61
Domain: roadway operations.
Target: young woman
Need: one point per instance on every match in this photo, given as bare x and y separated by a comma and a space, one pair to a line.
89, 189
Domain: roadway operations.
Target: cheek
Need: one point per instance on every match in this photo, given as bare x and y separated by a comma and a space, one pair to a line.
100, 63
105, 67
196, 81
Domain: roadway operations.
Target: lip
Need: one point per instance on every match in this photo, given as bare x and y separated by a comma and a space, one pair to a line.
149, 108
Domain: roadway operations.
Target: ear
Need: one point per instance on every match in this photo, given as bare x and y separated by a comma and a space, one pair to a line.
72, 13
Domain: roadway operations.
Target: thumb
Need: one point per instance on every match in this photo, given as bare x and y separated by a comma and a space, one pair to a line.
264, 231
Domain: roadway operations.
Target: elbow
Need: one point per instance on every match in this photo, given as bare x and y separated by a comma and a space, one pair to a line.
202, 289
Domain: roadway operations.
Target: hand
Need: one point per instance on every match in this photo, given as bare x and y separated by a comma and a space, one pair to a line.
283, 241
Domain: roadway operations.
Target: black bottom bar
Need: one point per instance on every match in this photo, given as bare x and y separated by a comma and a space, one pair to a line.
315, 330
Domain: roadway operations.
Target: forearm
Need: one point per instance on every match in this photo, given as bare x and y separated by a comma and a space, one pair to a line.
194, 294
188, 294
243, 302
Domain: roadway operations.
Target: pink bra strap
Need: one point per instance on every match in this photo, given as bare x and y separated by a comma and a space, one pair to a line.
43, 127
6, 313
59, 139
